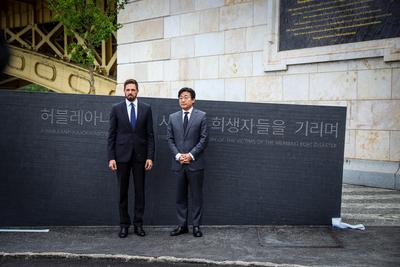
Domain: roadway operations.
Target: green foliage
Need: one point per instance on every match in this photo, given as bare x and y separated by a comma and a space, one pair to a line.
83, 18
34, 88
80, 54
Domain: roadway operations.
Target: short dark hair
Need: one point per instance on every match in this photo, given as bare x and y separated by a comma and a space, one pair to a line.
189, 90
131, 81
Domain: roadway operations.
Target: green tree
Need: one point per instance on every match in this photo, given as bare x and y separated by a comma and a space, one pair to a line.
83, 19
34, 88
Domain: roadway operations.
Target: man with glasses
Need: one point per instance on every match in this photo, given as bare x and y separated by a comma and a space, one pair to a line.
187, 136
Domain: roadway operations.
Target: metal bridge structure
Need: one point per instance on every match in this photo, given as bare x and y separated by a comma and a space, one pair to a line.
38, 48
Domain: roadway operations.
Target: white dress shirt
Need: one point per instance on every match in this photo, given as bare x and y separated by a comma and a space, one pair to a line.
190, 113
177, 156
129, 107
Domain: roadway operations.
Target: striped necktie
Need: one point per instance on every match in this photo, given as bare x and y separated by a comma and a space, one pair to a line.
185, 121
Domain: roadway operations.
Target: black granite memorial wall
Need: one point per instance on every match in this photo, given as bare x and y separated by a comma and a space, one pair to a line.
266, 163
304, 24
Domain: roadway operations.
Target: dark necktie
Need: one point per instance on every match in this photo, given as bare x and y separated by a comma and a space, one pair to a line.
133, 116
185, 121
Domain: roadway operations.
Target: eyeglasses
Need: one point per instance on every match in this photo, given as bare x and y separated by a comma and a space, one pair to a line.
184, 98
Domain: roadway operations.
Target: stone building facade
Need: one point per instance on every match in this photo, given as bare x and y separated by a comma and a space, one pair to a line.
220, 48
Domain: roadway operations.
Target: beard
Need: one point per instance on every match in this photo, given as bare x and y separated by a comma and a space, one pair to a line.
130, 97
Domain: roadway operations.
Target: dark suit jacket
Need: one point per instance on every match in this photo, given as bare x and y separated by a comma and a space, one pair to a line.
123, 140
193, 140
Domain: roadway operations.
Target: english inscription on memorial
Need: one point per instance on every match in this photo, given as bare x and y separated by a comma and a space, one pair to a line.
266, 163
305, 23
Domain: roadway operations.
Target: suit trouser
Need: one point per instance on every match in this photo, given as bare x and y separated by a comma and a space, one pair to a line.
123, 174
193, 180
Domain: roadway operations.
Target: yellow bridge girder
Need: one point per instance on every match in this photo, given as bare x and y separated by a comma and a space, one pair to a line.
30, 41
58, 75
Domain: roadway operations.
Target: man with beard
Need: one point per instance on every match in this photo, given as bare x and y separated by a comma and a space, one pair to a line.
131, 149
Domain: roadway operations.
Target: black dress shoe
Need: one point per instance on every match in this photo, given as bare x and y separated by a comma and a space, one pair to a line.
197, 232
123, 232
179, 230
138, 230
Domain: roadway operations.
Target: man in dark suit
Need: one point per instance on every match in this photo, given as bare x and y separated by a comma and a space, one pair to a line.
187, 138
131, 149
